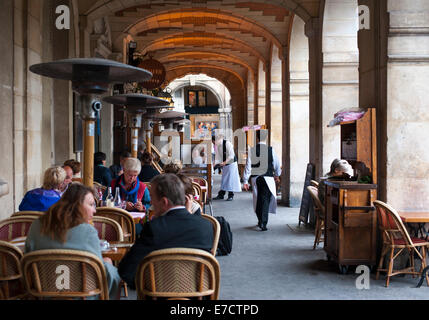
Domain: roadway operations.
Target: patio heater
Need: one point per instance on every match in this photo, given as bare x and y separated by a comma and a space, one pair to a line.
136, 105
90, 78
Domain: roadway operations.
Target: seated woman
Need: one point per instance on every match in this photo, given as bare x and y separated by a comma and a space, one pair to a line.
340, 170
66, 225
132, 191
147, 172
192, 206
41, 199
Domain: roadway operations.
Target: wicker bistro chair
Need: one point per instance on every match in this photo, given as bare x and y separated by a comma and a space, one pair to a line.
11, 283
216, 231
37, 214
64, 274
15, 227
314, 183
203, 186
319, 210
178, 273
395, 236
125, 220
198, 192
108, 229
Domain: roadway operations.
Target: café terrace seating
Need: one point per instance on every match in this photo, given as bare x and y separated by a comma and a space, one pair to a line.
37, 214
319, 210
11, 284
15, 227
108, 229
178, 273
216, 231
87, 275
396, 238
123, 218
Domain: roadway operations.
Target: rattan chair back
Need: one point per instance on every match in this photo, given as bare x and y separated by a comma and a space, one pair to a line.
15, 227
318, 206
178, 273
11, 284
64, 274
108, 229
216, 231
314, 183
122, 217
99, 186
28, 213
202, 183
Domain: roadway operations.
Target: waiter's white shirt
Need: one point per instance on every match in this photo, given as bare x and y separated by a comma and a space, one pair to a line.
269, 180
230, 177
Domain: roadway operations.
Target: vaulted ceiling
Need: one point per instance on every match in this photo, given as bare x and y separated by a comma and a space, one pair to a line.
221, 37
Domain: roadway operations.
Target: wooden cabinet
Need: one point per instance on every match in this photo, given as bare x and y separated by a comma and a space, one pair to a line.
359, 143
350, 223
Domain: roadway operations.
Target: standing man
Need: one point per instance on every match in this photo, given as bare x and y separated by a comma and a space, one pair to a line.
226, 159
263, 168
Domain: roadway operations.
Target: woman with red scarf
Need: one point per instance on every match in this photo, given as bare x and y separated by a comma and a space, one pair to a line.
132, 191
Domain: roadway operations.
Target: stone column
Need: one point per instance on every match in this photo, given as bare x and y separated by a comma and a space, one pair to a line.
407, 169
340, 71
256, 97
261, 94
286, 128
314, 34
299, 110
372, 44
7, 109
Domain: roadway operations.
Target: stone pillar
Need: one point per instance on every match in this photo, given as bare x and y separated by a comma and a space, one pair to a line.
276, 99
313, 32
268, 94
299, 110
250, 99
256, 97
285, 152
372, 44
261, 94
340, 70
7, 109
407, 169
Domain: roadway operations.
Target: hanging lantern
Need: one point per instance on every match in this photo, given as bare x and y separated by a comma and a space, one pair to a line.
158, 71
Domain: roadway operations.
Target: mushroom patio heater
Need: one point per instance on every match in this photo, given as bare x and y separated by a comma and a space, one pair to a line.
90, 78
136, 105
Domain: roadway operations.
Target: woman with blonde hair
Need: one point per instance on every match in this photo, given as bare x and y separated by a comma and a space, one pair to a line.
66, 225
41, 199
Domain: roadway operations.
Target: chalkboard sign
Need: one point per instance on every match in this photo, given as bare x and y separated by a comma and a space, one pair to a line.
306, 201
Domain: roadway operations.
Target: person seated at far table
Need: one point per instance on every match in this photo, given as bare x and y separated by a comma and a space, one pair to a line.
41, 199
172, 226
147, 172
102, 175
74, 165
340, 170
175, 166
134, 192
189, 194
67, 225
118, 169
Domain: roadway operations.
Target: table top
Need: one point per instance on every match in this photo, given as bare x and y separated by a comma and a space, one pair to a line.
414, 217
117, 251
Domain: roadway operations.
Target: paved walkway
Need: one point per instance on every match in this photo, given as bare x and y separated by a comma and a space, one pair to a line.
279, 264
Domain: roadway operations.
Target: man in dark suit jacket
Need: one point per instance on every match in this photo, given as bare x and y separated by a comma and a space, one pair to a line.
172, 226
102, 174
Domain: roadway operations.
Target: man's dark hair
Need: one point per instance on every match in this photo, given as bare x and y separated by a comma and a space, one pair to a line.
170, 186
125, 154
146, 158
99, 157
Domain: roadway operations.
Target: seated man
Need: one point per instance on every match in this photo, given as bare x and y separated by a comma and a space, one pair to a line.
147, 172
102, 175
118, 169
172, 226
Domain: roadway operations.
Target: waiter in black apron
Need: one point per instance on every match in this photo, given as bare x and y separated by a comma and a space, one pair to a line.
263, 169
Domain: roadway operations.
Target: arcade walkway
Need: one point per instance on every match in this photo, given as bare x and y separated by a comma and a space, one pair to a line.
279, 264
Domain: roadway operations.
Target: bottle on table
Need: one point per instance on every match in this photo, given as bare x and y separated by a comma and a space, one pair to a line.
109, 198
117, 201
